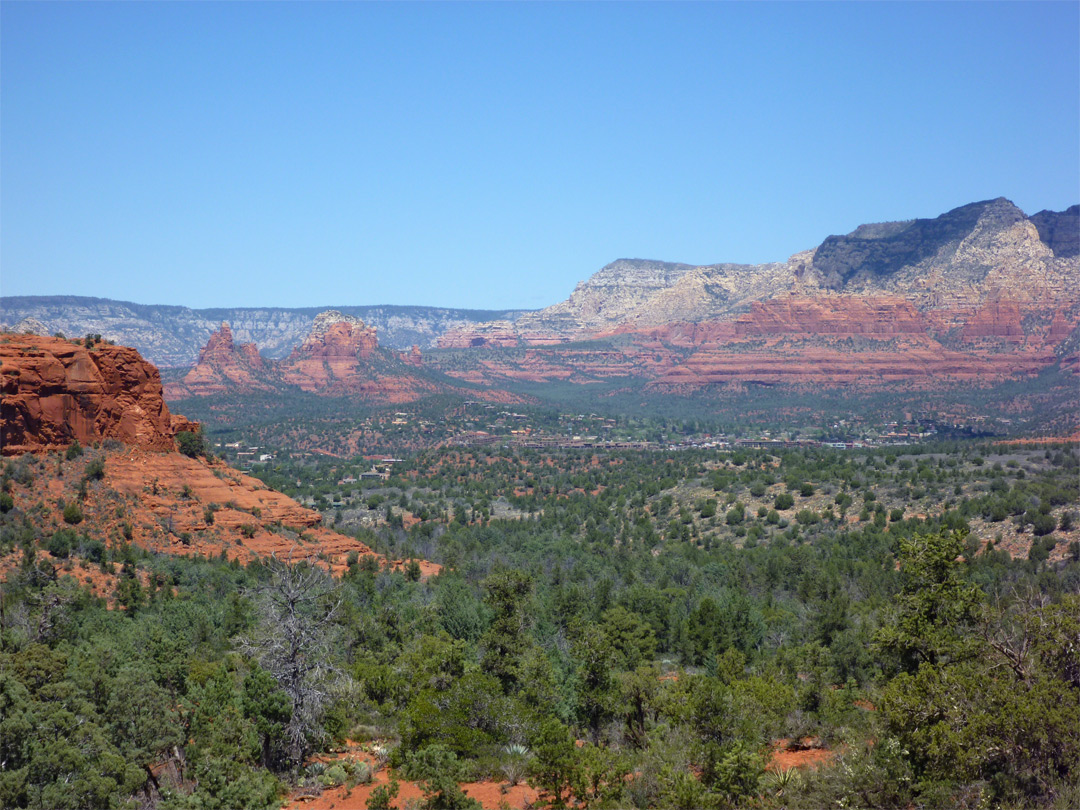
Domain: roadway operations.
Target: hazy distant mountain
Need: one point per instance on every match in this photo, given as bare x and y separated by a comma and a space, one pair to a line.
171, 336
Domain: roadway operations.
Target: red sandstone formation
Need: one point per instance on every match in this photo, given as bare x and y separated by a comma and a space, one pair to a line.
331, 357
832, 340
56, 392
223, 366
341, 356
880, 317
998, 319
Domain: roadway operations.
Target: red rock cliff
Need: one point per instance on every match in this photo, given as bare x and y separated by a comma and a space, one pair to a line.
55, 392
840, 315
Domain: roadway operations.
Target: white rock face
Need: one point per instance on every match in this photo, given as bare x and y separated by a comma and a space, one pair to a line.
171, 336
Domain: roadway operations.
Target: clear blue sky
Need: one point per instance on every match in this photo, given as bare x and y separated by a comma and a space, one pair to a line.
494, 154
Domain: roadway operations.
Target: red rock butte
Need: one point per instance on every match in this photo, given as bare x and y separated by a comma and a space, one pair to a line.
56, 392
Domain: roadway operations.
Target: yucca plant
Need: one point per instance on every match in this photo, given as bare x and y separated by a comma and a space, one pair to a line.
783, 780
516, 763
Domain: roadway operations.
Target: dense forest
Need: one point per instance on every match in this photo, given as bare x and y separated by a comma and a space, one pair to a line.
623, 629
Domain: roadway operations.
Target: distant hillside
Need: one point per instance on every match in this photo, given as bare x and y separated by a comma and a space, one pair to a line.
171, 336
959, 260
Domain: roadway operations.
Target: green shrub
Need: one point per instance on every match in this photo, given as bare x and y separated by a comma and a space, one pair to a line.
74, 450
382, 797
73, 514
333, 776
95, 470
1043, 524
191, 444
61, 543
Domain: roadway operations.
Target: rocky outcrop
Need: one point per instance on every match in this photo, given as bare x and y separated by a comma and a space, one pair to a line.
333, 335
56, 392
223, 366
30, 326
341, 355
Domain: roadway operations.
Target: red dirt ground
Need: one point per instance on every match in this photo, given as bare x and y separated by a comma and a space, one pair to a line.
807, 753
489, 794
786, 755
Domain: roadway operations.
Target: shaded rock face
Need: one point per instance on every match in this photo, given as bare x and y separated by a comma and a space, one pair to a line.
56, 392
1060, 230
880, 250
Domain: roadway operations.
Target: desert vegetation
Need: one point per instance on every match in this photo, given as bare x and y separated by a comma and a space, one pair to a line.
624, 629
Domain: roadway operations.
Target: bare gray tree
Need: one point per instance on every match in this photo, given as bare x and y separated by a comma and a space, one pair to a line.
296, 609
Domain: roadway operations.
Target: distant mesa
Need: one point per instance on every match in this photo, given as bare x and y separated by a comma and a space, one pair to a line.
980, 294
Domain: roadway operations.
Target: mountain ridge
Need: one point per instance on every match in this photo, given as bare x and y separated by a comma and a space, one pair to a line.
961, 258
170, 336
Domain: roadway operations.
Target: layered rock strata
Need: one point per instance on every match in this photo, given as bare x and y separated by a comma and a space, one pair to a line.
56, 392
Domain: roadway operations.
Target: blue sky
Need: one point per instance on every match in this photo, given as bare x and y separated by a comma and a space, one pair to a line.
492, 155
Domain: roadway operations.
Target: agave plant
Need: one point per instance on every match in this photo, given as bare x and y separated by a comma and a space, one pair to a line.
381, 754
